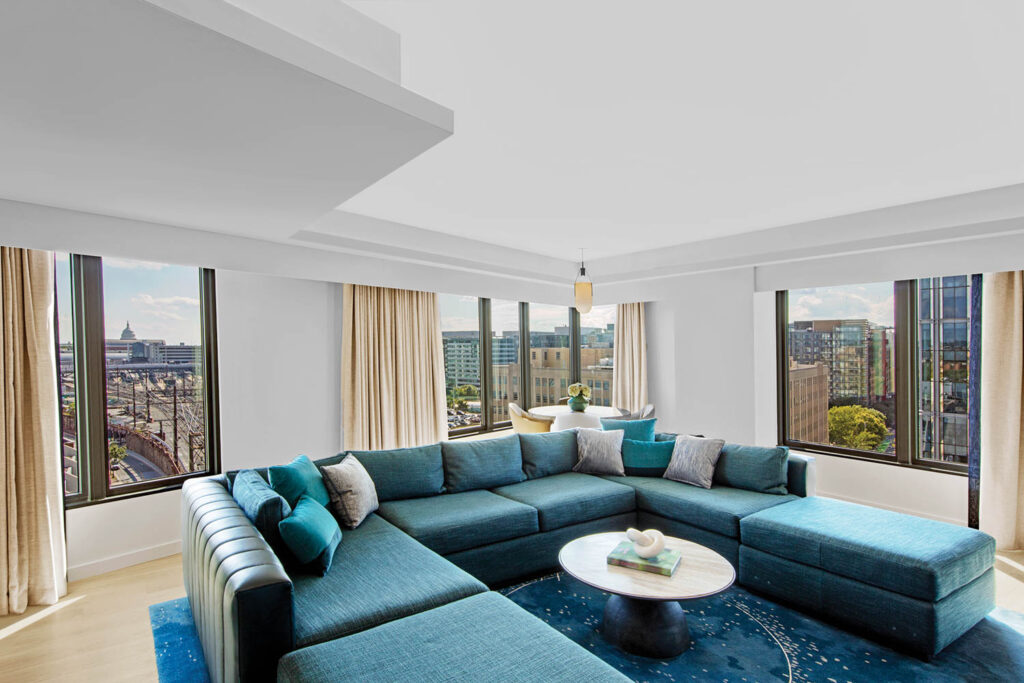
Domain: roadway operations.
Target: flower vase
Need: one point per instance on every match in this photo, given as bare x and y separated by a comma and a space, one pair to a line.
578, 404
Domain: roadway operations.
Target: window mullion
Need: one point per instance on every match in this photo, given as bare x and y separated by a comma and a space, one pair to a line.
575, 369
486, 367
526, 392
906, 341
211, 371
91, 387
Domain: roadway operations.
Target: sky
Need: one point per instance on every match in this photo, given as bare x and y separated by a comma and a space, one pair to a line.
459, 313
873, 302
160, 301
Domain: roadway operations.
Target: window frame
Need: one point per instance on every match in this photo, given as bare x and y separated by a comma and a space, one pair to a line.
527, 390
89, 345
907, 442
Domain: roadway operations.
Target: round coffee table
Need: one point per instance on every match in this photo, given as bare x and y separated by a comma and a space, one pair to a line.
643, 615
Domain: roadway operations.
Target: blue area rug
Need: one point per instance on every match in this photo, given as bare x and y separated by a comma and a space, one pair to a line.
738, 636
179, 655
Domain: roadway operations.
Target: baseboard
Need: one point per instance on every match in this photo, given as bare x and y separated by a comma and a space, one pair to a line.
109, 564
906, 511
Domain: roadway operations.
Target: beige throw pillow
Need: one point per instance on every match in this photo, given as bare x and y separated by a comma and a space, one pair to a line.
693, 460
353, 495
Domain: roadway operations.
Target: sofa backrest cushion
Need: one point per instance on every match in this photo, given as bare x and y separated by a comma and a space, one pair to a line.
311, 534
401, 473
548, 453
646, 458
484, 464
754, 468
296, 478
264, 506
636, 430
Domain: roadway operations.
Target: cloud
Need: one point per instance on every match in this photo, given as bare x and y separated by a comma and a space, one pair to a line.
873, 302
127, 264
171, 301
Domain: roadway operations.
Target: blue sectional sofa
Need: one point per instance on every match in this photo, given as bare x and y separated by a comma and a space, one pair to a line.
457, 517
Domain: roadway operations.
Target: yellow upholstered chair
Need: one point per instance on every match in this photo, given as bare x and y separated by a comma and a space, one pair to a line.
524, 423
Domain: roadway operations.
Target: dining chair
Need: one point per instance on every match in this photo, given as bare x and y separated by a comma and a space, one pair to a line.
564, 401
524, 423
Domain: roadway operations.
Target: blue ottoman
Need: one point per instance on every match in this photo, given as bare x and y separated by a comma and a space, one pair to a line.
910, 582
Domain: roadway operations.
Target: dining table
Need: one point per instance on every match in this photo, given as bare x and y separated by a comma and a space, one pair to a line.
567, 418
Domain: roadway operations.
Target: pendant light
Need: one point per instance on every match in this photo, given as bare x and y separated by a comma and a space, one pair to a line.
583, 289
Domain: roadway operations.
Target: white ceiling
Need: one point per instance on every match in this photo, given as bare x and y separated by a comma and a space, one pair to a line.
628, 126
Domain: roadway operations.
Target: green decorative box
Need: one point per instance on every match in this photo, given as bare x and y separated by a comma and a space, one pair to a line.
663, 563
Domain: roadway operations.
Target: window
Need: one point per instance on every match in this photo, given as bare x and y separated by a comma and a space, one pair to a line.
505, 366
460, 337
597, 352
549, 333
484, 340
879, 370
66, 374
137, 375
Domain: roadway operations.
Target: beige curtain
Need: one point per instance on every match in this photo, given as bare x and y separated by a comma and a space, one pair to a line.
1002, 409
393, 391
32, 561
629, 377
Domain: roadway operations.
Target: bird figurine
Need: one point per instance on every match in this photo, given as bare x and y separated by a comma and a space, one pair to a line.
648, 543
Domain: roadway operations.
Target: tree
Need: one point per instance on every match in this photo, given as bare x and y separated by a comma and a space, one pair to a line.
116, 452
856, 427
467, 390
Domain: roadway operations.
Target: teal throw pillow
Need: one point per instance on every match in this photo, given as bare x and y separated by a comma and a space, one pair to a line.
401, 473
264, 506
548, 453
311, 534
299, 477
646, 458
637, 430
754, 468
484, 464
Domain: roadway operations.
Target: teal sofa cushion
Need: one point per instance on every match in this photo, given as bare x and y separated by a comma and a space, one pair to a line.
264, 506
548, 453
484, 464
637, 430
379, 574
400, 473
457, 521
754, 468
571, 498
922, 558
311, 534
717, 509
485, 637
299, 477
646, 458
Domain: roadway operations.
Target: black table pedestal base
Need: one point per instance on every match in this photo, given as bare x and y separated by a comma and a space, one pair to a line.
649, 628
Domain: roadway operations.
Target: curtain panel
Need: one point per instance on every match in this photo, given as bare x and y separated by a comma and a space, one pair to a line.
393, 390
32, 558
1002, 409
629, 377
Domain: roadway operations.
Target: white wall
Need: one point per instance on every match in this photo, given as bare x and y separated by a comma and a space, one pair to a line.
700, 354
280, 384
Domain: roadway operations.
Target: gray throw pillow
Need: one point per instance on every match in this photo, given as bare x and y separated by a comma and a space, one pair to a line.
600, 452
353, 495
693, 460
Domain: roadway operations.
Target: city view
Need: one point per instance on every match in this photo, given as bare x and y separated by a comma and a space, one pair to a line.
155, 417
549, 350
841, 375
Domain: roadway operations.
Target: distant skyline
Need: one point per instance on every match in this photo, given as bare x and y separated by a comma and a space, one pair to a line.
872, 302
160, 301
459, 313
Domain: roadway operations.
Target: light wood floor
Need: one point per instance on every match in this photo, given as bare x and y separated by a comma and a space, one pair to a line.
101, 632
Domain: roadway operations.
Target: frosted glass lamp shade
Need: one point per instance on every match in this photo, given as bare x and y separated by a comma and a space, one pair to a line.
584, 290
